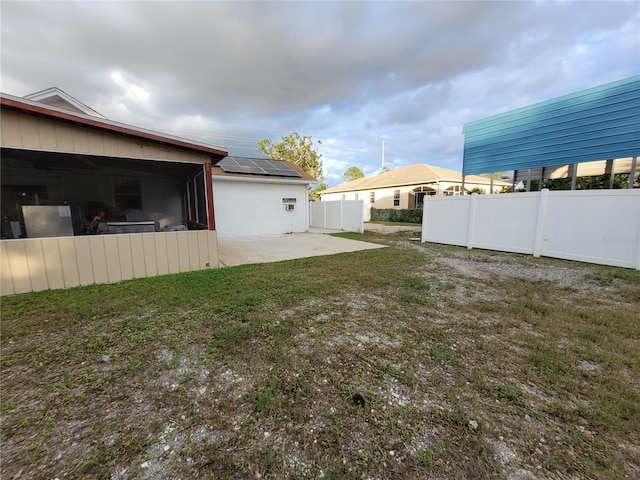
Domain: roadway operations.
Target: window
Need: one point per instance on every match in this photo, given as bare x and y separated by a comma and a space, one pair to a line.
127, 194
396, 198
453, 191
372, 197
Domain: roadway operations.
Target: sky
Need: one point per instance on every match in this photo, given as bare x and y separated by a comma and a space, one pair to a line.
351, 75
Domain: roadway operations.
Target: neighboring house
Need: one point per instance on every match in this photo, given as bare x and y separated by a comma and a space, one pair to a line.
258, 196
63, 165
406, 187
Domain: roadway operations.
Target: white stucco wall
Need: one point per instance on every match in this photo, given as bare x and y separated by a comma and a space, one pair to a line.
384, 196
245, 207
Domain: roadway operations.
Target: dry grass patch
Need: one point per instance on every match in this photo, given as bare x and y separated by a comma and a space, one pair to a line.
415, 361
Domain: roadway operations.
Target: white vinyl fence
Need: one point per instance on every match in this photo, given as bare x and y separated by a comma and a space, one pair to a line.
33, 264
595, 226
347, 215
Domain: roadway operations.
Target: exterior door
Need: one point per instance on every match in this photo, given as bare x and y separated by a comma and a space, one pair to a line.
195, 202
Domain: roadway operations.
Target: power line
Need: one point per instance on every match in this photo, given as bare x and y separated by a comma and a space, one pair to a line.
206, 133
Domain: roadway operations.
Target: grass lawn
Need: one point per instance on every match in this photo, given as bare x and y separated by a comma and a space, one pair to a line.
413, 361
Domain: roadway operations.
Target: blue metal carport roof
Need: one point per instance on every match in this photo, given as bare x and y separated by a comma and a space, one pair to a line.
600, 123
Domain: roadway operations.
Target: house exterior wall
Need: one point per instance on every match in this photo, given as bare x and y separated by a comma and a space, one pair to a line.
31, 265
32, 132
246, 208
384, 196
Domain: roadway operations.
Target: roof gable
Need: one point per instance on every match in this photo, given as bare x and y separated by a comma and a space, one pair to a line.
57, 98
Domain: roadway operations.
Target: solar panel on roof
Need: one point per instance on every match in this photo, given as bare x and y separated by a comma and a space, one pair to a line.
281, 173
257, 166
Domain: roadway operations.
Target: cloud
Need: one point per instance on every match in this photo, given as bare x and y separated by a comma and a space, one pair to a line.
347, 73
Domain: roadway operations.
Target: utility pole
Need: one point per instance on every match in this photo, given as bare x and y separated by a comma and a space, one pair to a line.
382, 167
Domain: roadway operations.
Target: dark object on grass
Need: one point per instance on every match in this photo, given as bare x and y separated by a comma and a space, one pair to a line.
358, 400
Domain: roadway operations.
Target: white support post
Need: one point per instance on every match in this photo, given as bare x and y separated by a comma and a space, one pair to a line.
632, 173
539, 230
638, 255
472, 220
528, 180
425, 205
324, 214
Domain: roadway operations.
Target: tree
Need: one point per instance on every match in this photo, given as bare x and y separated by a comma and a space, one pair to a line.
352, 173
315, 193
300, 151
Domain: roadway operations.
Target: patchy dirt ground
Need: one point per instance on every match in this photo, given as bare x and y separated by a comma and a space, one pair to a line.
421, 362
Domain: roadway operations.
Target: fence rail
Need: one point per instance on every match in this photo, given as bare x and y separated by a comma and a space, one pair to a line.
30, 265
595, 226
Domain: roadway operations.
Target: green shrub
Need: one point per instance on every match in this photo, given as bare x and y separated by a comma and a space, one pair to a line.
406, 215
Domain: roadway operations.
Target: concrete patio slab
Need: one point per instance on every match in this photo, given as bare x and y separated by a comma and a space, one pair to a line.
274, 248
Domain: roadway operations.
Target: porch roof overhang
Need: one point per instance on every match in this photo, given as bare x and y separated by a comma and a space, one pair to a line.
600, 123
28, 106
65, 161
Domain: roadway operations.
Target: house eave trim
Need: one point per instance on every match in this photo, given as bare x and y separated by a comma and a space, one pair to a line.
232, 178
9, 101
